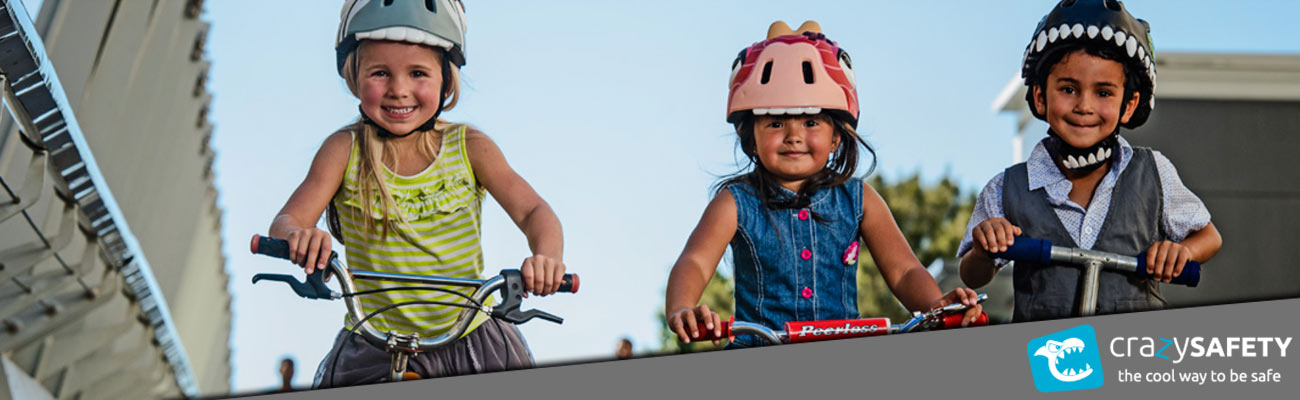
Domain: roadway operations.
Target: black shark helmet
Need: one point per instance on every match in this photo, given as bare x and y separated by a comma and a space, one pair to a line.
1101, 26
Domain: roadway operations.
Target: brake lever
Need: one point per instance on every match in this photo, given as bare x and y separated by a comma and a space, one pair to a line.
958, 307
518, 317
313, 288
927, 320
512, 297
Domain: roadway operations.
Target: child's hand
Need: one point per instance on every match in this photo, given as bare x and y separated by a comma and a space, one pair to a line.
687, 321
1165, 260
309, 248
994, 235
542, 274
964, 296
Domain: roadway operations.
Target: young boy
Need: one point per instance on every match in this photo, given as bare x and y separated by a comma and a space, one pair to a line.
1090, 70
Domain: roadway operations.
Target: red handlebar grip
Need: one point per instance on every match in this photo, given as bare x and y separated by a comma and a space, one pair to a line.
954, 320
707, 334
253, 246
570, 284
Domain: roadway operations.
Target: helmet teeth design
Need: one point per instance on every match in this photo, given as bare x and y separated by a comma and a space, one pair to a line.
1106, 23
793, 72
435, 23
788, 111
406, 34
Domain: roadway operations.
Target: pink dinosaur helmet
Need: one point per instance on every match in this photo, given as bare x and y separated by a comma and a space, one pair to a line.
793, 72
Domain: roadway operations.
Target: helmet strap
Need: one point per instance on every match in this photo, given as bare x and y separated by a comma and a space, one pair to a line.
1059, 149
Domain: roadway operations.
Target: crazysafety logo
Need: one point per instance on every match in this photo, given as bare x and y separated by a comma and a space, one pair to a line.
1066, 360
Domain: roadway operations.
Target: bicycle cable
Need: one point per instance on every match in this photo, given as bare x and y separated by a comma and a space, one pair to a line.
353, 331
432, 288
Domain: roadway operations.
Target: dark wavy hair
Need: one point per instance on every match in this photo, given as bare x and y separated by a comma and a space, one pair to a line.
841, 167
1132, 75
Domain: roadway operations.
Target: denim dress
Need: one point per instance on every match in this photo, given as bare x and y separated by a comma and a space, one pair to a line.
789, 266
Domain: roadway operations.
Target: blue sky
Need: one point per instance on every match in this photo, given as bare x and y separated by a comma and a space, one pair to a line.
614, 111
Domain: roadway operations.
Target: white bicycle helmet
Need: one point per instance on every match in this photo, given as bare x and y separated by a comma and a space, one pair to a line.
436, 23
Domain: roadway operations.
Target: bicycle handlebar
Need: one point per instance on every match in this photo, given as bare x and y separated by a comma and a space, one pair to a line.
1042, 251
279, 248
946, 317
510, 282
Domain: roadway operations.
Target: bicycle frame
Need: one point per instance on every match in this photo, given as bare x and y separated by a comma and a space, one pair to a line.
945, 317
402, 345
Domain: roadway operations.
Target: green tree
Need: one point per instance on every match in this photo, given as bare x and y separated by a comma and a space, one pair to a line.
931, 217
933, 220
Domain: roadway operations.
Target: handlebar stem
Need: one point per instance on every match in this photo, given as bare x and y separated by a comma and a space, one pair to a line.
1091, 275
750, 328
1066, 255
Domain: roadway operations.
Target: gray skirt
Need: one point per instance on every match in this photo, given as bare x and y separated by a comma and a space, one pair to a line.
493, 346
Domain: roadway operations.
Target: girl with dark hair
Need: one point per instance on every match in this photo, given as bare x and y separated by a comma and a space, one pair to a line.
795, 219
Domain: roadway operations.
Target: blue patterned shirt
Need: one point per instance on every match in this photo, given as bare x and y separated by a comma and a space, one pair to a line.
1183, 211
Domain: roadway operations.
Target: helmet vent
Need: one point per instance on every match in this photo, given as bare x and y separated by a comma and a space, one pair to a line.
387, 3
430, 6
807, 73
1113, 5
767, 72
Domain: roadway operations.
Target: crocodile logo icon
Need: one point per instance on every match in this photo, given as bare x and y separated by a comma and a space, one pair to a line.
1055, 351
1066, 360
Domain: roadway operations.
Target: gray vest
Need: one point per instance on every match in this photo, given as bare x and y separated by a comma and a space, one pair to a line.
1132, 224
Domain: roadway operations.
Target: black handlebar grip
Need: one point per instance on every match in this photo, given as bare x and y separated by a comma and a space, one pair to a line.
569, 285
278, 248
1190, 277
1028, 249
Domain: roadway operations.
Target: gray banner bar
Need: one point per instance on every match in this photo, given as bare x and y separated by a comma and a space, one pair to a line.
1242, 350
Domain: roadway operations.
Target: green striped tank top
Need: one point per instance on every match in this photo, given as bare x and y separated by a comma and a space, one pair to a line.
442, 205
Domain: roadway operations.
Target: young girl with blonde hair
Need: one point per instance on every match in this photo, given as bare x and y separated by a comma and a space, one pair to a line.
404, 190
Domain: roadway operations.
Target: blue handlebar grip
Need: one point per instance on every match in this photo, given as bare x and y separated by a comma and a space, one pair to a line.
1190, 277
1029, 250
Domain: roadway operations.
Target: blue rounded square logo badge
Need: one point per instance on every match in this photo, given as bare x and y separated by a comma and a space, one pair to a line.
1066, 360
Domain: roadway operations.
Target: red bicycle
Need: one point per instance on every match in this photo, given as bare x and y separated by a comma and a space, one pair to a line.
946, 317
